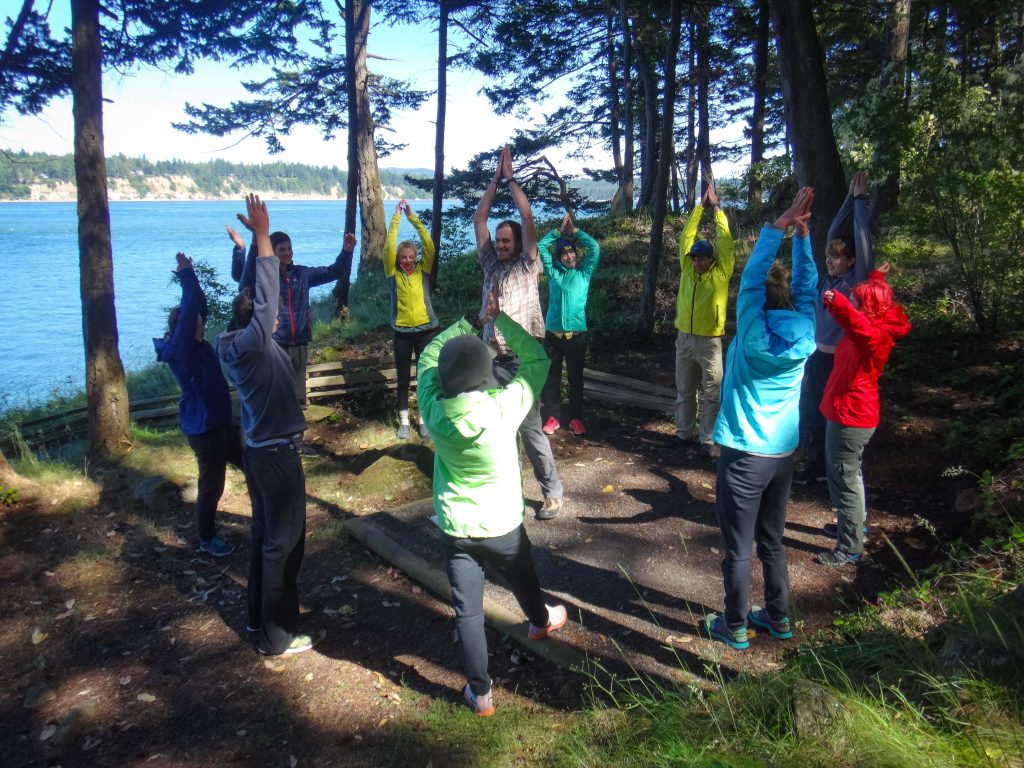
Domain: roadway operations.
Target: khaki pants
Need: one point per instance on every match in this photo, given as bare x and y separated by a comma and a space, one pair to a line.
698, 382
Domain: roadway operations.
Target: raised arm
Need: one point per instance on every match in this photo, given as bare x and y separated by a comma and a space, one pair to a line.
184, 334
483, 208
390, 256
689, 235
544, 251
726, 261
429, 251
593, 253
525, 214
865, 257
332, 272
267, 272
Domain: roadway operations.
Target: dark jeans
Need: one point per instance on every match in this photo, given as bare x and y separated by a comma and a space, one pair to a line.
573, 351
277, 491
752, 493
510, 555
817, 369
213, 450
406, 344
536, 443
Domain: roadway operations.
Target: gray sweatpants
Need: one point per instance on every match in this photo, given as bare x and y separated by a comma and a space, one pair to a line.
844, 455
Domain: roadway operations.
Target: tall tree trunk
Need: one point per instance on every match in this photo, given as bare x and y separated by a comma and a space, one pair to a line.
624, 194
110, 433
703, 113
886, 155
437, 191
691, 118
614, 118
645, 323
760, 97
371, 196
648, 167
341, 287
804, 87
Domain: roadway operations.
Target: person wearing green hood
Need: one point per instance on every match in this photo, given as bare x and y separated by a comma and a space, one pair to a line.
478, 484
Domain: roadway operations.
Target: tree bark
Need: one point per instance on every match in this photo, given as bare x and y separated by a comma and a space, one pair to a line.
649, 157
703, 113
341, 287
760, 96
437, 190
647, 297
691, 119
805, 89
622, 202
110, 433
371, 196
886, 155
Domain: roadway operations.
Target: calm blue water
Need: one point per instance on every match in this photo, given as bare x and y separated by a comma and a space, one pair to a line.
40, 309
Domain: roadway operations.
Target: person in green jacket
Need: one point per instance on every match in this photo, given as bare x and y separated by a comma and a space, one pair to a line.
412, 315
700, 319
478, 492
565, 335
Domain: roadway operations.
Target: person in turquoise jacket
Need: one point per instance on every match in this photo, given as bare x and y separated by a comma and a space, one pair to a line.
565, 335
478, 492
704, 274
758, 425
412, 315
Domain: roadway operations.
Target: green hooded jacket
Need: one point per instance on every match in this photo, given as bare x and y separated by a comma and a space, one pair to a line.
478, 485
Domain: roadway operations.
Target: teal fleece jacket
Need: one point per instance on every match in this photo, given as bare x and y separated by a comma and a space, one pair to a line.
568, 288
760, 406
478, 485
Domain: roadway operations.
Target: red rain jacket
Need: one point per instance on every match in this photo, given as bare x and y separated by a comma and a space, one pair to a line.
851, 394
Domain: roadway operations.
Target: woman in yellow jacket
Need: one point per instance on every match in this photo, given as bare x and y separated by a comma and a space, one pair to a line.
704, 273
412, 316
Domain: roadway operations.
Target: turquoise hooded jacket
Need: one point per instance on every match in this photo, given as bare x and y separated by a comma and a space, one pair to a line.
760, 406
568, 288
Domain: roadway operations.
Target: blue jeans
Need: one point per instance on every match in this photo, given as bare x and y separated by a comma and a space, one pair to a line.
277, 491
844, 452
751, 496
511, 556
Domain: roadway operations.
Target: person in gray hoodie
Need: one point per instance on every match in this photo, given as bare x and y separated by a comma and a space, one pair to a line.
273, 424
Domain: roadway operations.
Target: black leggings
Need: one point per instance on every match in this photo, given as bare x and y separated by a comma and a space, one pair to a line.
407, 343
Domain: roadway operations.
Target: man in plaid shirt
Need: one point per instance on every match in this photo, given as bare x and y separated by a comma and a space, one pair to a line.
511, 267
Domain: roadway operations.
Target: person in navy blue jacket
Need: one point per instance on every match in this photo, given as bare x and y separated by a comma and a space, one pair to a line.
205, 405
294, 329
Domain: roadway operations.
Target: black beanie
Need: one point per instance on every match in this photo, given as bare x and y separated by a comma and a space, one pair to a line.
466, 364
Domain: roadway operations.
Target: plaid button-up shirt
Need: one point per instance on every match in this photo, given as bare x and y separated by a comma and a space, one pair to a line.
518, 297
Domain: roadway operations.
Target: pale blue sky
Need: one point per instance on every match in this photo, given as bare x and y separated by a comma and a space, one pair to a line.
142, 105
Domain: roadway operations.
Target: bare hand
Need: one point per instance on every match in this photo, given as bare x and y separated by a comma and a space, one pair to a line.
829, 296
403, 206
245, 224
257, 220
490, 308
798, 212
859, 185
884, 269
184, 262
350, 242
710, 196
235, 237
567, 227
507, 171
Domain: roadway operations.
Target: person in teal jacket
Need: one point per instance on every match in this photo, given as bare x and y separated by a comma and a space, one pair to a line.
758, 425
565, 334
704, 274
478, 492
412, 315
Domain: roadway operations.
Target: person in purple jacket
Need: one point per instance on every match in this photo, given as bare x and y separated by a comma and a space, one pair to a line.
205, 405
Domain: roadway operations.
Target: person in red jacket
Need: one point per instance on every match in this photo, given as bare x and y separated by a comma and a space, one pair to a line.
872, 323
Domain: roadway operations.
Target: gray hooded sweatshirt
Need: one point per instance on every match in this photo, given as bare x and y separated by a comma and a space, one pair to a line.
260, 369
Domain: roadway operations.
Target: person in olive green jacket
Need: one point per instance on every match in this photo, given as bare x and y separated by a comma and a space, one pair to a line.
700, 320
565, 335
478, 491
412, 315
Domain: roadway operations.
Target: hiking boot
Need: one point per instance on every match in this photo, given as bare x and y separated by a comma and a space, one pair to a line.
424, 432
577, 427
715, 626
832, 531
550, 426
402, 433
216, 547
809, 473
837, 558
760, 618
483, 704
550, 509
557, 616
710, 451
299, 644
